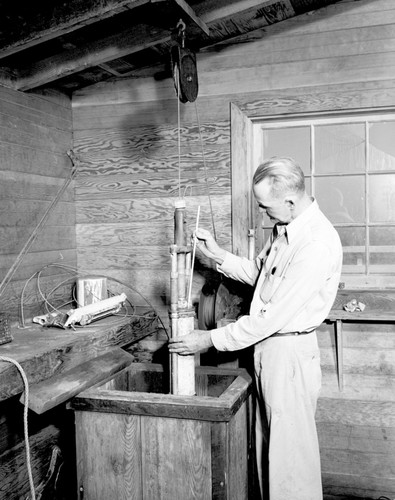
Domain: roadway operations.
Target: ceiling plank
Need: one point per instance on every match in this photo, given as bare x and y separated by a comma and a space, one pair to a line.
62, 19
66, 63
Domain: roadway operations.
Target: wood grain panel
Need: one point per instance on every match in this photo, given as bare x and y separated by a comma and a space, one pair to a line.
50, 238
153, 210
22, 158
36, 111
238, 462
112, 235
94, 143
120, 187
109, 446
27, 214
189, 469
34, 262
163, 161
357, 438
359, 485
18, 185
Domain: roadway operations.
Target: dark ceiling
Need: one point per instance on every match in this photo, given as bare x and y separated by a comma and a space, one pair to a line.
70, 44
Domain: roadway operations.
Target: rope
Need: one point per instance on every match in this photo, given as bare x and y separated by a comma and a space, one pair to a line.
193, 257
178, 128
205, 171
25, 422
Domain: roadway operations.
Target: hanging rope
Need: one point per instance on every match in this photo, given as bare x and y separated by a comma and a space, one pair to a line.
179, 130
205, 171
25, 423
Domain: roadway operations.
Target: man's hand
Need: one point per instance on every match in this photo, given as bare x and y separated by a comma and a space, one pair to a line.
197, 341
208, 246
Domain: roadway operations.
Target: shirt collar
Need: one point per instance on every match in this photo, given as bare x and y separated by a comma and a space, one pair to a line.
296, 227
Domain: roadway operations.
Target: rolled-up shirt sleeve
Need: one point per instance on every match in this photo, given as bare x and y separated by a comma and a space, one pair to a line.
301, 300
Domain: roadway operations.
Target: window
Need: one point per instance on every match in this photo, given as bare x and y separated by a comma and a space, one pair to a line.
349, 164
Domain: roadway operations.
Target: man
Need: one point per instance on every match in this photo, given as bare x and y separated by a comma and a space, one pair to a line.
296, 278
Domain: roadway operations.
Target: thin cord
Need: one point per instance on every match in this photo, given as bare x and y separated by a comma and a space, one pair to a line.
25, 422
205, 171
179, 128
193, 258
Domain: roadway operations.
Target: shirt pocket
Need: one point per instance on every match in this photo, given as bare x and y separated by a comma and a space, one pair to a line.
269, 287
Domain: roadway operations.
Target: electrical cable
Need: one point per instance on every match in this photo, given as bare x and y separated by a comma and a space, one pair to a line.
25, 423
77, 274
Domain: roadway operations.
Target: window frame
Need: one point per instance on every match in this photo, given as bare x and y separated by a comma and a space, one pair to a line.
367, 279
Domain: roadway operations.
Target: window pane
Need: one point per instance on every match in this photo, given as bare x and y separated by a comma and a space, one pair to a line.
382, 146
342, 199
291, 141
382, 198
353, 242
340, 148
382, 249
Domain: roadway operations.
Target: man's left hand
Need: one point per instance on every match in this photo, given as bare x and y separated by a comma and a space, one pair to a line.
197, 341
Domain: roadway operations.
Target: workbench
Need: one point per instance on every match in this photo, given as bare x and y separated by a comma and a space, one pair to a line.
379, 308
44, 352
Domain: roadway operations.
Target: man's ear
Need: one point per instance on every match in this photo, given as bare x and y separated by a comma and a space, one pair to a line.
290, 202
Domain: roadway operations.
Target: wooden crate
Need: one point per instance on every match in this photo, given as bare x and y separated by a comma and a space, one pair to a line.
136, 441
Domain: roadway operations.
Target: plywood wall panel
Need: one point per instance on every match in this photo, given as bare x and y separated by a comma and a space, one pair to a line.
152, 210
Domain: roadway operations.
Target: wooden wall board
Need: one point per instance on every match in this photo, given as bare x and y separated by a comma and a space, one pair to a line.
50, 238
95, 143
356, 438
151, 187
21, 185
36, 111
122, 234
359, 486
33, 262
20, 213
151, 210
15, 130
22, 158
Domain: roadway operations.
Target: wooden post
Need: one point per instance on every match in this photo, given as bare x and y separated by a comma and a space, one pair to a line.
182, 368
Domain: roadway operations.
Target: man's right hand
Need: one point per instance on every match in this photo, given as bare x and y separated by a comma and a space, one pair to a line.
208, 246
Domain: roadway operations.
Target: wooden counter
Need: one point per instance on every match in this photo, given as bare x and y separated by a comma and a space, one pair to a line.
379, 307
44, 352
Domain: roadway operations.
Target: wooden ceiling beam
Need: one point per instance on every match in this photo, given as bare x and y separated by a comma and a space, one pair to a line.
132, 40
189, 12
72, 61
62, 19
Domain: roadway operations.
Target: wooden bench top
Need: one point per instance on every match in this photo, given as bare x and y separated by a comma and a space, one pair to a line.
46, 351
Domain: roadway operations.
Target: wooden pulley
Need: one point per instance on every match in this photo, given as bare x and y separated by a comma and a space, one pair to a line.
184, 73
225, 300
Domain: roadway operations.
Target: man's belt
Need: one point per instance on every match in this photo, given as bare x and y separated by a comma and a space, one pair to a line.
290, 334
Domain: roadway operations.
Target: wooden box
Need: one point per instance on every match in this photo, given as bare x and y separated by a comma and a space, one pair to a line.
135, 441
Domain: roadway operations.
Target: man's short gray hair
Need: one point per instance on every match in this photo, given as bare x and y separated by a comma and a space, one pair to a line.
283, 173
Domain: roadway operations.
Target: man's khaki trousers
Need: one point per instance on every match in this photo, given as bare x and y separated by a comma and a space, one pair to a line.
288, 378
